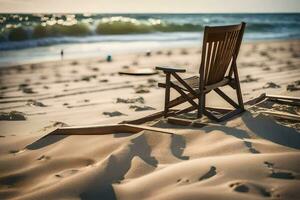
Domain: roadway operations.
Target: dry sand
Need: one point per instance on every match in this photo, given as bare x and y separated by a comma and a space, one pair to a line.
252, 156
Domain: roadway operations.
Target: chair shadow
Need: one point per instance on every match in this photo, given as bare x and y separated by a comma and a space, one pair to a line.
178, 145
269, 129
117, 167
238, 133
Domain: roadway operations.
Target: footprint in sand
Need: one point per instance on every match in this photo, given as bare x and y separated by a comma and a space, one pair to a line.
17, 151
250, 188
66, 173
212, 172
251, 149
43, 157
279, 173
183, 181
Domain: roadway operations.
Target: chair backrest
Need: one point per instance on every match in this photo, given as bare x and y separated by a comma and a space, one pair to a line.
221, 45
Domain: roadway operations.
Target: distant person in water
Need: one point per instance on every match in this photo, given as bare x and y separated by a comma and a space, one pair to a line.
62, 54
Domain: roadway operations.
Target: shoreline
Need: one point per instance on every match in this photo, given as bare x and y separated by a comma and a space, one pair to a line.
185, 45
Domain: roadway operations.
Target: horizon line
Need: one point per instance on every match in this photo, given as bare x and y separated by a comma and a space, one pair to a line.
285, 12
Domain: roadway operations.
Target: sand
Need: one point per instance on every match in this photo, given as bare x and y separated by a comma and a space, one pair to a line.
252, 156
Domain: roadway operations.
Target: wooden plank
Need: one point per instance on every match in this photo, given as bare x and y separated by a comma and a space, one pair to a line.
106, 129
257, 100
270, 96
282, 115
178, 121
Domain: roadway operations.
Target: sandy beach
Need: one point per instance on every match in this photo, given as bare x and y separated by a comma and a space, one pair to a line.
252, 156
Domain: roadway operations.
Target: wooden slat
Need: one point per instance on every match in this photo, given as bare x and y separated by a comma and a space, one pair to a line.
270, 96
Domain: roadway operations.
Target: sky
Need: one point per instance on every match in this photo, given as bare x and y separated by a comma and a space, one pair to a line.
150, 6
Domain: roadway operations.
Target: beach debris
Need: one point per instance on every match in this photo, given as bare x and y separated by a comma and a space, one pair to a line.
159, 52
88, 78
152, 82
294, 86
103, 80
141, 89
27, 90
54, 124
35, 103
141, 108
184, 52
12, 116
135, 63
271, 85
125, 67
113, 114
3, 87
267, 68
74, 63
148, 53
95, 69
43, 77
264, 53
23, 85
59, 124
249, 79
108, 58
132, 100
169, 53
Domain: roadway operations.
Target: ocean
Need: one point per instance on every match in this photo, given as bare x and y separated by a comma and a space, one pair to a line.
30, 38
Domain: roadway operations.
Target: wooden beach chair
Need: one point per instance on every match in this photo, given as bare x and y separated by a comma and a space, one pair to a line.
218, 68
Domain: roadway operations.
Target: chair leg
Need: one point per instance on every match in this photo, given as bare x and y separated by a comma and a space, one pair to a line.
201, 105
238, 87
167, 94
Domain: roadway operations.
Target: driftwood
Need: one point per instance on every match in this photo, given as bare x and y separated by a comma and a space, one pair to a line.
106, 129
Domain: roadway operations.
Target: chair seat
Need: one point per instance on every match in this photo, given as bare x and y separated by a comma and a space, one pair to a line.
193, 82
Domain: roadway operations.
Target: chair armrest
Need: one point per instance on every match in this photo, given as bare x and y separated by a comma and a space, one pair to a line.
170, 69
